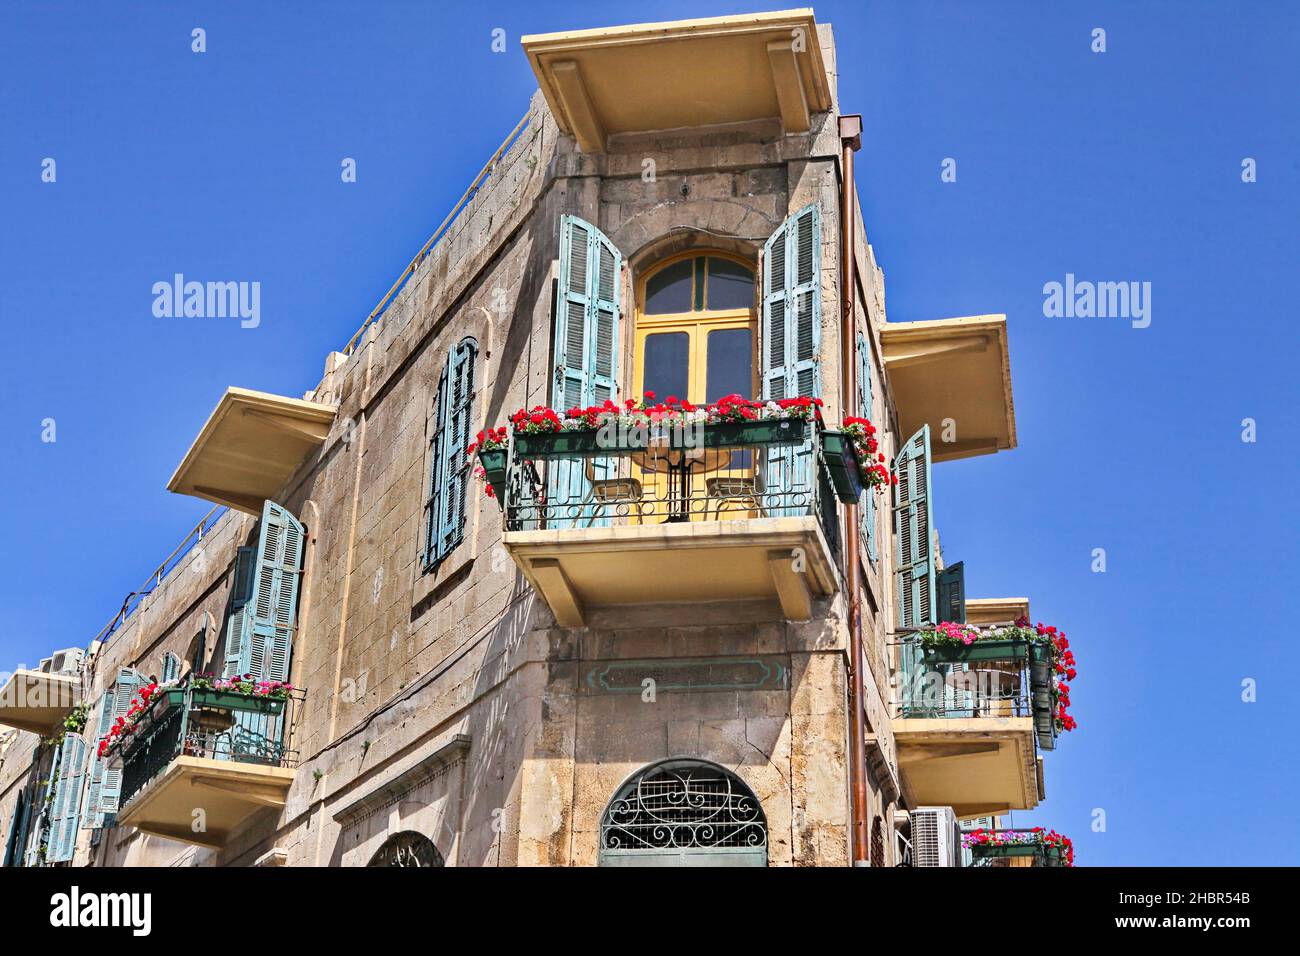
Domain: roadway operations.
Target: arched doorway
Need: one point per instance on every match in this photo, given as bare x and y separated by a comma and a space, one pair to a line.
682, 812
407, 848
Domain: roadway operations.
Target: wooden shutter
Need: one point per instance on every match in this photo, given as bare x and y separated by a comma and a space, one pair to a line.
275, 595
17, 830
867, 514
586, 316
65, 808
792, 304
913, 533
952, 594
105, 781
586, 349
242, 584
171, 667
457, 421
433, 507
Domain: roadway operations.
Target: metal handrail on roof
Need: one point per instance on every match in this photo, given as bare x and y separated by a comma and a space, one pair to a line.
438, 233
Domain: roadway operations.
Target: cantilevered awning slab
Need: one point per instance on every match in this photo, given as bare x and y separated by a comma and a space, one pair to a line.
985, 611
36, 701
684, 73
953, 370
250, 446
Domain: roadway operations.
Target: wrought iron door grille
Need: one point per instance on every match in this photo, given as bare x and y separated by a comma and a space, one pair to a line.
684, 808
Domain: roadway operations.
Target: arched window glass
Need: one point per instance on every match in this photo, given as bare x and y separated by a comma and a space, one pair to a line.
698, 284
407, 848
684, 812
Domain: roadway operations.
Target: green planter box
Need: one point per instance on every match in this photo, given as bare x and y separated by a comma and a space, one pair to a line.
994, 650
494, 469
1018, 849
229, 700
842, 463
586, 444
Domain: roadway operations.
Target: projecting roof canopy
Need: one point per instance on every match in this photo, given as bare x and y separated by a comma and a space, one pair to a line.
250, 446
685, 73
955, 376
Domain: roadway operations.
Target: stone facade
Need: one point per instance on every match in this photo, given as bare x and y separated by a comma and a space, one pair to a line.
450, 703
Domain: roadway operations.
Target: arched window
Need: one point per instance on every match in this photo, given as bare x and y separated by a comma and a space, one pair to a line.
695, 329
407, 848
449, 463
683, 813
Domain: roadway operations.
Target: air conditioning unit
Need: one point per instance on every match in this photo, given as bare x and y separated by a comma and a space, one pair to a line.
66, 661
936, 838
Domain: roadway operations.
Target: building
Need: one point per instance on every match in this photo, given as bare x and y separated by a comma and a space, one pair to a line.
624, 657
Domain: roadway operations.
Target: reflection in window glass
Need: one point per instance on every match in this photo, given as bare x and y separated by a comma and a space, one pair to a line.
731, 285
668, 291
667, 358
730, 364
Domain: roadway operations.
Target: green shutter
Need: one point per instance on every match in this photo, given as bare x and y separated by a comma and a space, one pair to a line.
914, 533
17, 830
65, 810
792, 305
586, 316
867, 516
242, 584
171, 667
952, 594
274, 602
106, 781
449, 463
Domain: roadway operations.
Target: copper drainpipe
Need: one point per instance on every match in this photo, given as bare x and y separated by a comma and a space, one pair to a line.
851, 142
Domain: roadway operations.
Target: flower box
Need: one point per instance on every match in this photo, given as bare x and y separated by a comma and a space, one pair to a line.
494, 469
231, 700
1010, 649
586, 443
842, 463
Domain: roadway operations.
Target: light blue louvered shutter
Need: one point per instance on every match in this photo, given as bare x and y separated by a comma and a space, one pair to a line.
867, 516
586, 348
65, 810
456, 423
239, 621
106, 782
792, 306
433, 505
17, 830
914, 533
587, 316
275, 594
790, 332
171, 667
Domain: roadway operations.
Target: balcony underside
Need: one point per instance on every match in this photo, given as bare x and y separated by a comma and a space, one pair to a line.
955, 376
686, 73
37, 702
250, 446
978, 766
228, 793
690, 562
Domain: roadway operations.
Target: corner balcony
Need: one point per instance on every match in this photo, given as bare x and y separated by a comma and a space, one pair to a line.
701, 514
968, 722
200, 763
37, 701
955, 376
1018, 848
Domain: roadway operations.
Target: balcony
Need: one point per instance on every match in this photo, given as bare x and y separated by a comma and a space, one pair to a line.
250, 447
224, 754
37, 701
683, 74
1018, 847
955, 376
967, 723
701, 514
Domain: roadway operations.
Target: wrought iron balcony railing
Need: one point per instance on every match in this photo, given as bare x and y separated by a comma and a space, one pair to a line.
1017, 847
692, 473
214, 724
990, 678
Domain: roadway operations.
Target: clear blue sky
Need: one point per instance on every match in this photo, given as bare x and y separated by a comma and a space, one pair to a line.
1115, 167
